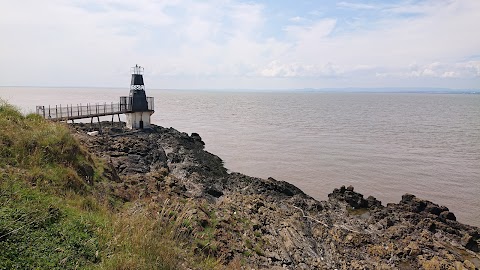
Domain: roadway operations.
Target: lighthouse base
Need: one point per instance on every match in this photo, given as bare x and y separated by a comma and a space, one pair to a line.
138, 120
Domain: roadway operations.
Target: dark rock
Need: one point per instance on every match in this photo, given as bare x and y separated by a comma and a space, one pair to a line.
203, 222
432, 227
435, 209
353, 198
415, 205
270, 224
418, 206
373, 202
197, 138
86, 171
284, 187
175, 158
214, 192
111, 173
470, 242
447, 215
407, 198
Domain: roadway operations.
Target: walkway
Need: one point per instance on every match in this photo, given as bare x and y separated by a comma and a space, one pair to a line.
59, 113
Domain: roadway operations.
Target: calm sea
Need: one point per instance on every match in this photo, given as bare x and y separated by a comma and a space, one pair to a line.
384, 144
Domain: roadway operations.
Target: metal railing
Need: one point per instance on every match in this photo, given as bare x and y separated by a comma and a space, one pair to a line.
71, 112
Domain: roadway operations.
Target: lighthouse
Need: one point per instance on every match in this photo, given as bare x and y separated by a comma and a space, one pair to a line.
139, 107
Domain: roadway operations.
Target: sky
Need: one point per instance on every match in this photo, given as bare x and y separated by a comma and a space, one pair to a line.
233, 44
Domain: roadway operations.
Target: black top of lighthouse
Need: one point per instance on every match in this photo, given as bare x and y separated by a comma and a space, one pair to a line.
137, 90
137, 78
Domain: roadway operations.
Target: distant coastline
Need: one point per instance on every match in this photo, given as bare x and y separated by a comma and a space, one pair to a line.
409, 90
396, 90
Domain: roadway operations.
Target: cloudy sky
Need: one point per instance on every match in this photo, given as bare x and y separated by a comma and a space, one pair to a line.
217, 44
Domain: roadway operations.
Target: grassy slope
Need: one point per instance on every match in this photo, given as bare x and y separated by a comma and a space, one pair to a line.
55, 211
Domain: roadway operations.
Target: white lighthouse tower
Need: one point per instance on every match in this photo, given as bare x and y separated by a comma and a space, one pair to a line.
139, 107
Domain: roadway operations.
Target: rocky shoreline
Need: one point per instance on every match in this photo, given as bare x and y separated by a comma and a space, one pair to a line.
272, 224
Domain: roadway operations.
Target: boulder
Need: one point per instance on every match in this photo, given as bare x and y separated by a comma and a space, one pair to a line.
470, 242
447, 215
353, 199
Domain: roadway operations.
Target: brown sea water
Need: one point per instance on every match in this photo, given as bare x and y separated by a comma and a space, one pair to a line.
384, 144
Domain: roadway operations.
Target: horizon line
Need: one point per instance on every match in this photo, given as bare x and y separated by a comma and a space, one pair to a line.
388, 88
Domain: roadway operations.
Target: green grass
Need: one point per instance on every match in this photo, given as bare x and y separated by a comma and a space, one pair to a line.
56, 212
38, 230
40, 227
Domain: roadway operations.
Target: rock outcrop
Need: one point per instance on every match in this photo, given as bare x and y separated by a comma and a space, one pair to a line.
272, 224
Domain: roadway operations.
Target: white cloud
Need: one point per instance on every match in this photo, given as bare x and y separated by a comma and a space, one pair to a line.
310, 33
94, 43
297, 19
209, 39
473, 67
450, 74
276, 69
444, 34
470, 69
356, 5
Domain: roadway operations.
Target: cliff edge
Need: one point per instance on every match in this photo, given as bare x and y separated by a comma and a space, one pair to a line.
247, 222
